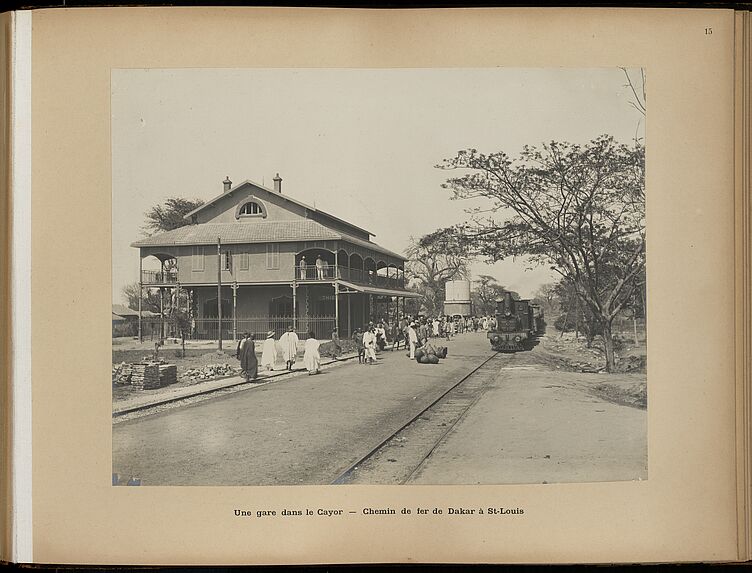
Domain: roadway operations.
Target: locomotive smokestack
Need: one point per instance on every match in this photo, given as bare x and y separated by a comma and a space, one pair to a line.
508, 303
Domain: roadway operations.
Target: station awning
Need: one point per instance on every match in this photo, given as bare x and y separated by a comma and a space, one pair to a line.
377, 291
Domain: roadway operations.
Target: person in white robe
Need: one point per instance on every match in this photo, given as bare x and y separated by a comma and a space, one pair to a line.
312, 356
289, 344
412, 337
369, 343
269, 352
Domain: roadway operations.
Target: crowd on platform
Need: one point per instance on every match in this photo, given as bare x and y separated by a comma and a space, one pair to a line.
410, 332
413, 332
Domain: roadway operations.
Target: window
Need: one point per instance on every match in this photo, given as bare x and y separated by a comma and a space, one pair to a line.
272, 256
244, 263
227, 261
251, 208
197, 259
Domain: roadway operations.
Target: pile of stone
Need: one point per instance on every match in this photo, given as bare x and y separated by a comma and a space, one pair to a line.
168, 374
145, 375
209, 372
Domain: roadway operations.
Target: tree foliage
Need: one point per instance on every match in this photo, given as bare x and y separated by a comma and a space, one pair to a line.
487, 290
579, 209
149, 299
433, 260
547, 297
169, 215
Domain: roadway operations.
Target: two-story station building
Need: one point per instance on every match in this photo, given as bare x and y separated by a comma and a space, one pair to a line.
276, 262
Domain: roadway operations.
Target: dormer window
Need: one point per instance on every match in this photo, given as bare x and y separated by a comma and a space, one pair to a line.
250, 207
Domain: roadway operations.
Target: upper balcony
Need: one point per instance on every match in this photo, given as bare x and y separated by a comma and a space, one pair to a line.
159, 277
328, 273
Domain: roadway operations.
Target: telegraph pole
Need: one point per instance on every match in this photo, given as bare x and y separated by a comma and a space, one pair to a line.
219, 293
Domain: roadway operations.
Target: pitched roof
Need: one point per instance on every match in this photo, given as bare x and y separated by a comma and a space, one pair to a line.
285, 197
121, 310
256, 232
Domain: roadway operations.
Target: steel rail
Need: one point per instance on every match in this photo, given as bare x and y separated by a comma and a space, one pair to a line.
351, 468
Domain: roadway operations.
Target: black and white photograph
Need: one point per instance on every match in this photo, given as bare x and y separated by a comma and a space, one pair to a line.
397, 276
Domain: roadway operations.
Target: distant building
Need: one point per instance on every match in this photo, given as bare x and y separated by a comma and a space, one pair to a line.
457, 298
280, 262
125, 320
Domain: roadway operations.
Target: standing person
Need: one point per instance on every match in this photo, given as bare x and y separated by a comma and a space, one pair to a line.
319, 268
289, 343
239, 351
358, 340
412, 338
423, 332
325, 270
397, 335
380, 336
248, 360
392, 334
269, 352
435, 325
336, 346
311, 356
369, 343
302, 266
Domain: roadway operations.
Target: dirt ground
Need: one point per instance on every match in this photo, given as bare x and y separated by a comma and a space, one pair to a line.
627, 386
535, 425
538, 420
198, 354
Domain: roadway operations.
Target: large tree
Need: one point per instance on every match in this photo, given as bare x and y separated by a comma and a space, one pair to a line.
169, 215
435, 259
149, 298
579, 209
547, 297
485, 293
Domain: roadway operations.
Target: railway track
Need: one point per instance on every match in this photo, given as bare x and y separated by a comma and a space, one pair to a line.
401, 456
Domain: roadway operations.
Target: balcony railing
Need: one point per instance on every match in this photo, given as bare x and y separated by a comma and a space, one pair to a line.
159, 277
360, 276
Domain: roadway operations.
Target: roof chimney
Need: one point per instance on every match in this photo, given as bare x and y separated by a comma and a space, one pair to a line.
227, 183
278, 184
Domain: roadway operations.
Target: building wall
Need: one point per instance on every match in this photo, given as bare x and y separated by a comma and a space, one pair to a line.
277, 208
453, 308
252, 301
261, 267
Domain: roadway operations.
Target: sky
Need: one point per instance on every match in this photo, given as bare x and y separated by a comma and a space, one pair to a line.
361, 144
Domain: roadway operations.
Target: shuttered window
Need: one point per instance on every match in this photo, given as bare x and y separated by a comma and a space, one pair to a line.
244, 262
197, 259
272, 256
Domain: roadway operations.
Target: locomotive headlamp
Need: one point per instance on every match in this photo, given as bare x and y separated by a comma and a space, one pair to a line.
508, 313
517, 338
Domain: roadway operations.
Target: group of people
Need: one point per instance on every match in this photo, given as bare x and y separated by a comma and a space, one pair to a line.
288, 344
415, 331
321, 266
368, 340
411, 331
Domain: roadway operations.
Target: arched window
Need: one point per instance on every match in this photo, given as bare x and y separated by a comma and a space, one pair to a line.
251, 208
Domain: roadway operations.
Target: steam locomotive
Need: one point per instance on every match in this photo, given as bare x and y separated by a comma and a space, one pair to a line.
518, 325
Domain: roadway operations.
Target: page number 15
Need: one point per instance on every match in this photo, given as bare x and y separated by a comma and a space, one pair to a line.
708, 31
